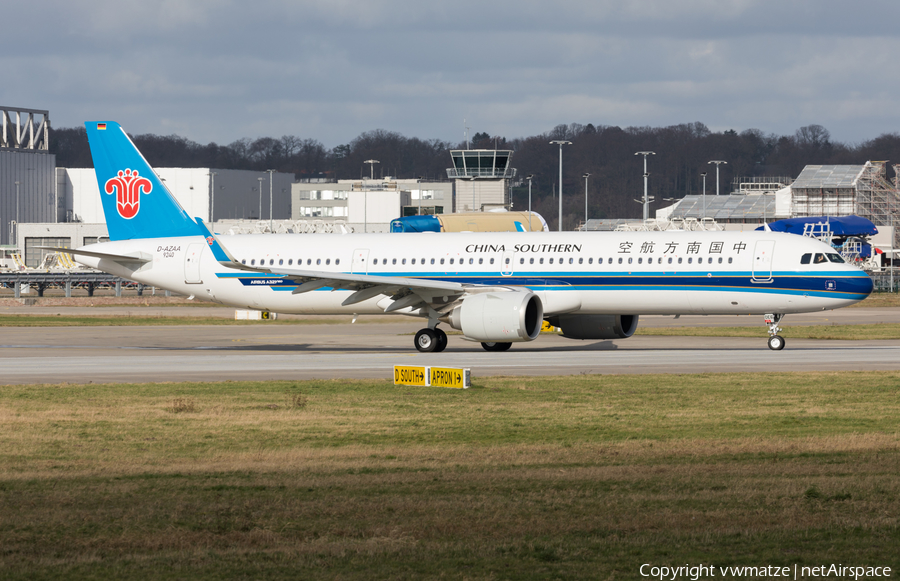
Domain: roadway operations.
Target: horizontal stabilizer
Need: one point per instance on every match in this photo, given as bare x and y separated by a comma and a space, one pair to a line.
134, 257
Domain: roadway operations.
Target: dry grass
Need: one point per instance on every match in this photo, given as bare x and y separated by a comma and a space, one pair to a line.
879, 300
833, 331
584, 477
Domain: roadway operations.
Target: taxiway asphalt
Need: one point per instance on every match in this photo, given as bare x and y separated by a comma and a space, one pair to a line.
370, 348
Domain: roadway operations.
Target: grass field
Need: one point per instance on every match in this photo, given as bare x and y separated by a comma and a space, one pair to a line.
838, 332
583, 477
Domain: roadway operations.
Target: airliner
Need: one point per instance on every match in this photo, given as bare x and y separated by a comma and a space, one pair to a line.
496, 288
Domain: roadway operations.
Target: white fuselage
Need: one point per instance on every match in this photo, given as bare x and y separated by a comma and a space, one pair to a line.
573, 272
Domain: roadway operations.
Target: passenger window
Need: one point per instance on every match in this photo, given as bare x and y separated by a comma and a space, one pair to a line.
471, 261
531, 261
690, 259
271, 262
551, 260
403, 261
572, 261
600, 261
720, 260
413, 261
451, 261
327, 261
480, 261
253, 262
492, 261
290, 261
679, 260
640, 260
308, 261
670, 260
432, 261
620, 260
243, 261
318, 261
522, 261
629, 260
337, 260
580, 261
819, 259
805, 258
729, 260
420, 262
442, 261
541, 260
590, 261
835, 258
393, 261
280, 261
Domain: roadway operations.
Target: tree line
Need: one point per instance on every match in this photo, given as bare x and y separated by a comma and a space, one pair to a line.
606, 152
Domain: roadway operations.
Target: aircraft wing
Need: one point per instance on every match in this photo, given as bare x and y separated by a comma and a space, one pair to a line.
407, 292
436, 296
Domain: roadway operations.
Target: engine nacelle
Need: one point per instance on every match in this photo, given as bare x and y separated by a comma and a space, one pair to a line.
501, 317
596, 326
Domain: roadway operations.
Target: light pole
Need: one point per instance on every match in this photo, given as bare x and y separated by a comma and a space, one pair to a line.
718, 163
646, 175
529, 177
703, 215
212, 195
371, 163
560, 143
585, 176
260, 180
419, 211
271, 175
17, 214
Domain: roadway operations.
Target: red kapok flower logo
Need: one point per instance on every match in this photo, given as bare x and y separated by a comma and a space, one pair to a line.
128, 186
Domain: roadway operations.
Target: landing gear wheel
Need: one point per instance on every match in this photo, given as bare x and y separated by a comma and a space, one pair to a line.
426, 341
491, 346
441, 341
776, 342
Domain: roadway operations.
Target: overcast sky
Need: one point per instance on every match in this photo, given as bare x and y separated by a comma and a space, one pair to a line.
221, 70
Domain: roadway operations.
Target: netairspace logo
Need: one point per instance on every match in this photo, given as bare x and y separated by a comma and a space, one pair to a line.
796, 572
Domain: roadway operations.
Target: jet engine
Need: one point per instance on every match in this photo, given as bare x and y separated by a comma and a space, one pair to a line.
499, 316
596, 326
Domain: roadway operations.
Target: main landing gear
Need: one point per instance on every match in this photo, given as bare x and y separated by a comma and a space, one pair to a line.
496, 346
431, 340
776, 341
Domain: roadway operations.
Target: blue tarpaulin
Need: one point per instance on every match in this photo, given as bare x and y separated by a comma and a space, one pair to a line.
416, 224
840, 226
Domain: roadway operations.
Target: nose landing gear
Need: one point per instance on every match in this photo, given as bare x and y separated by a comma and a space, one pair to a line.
776, 341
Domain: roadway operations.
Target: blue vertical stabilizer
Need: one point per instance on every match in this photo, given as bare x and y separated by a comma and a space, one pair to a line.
135, 202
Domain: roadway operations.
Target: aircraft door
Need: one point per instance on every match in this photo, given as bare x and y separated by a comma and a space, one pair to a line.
360, 261
192, 263
507, 263
762, 261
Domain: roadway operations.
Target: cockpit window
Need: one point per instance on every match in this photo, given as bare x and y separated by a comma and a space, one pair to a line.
835, 258
819, 259
805, 258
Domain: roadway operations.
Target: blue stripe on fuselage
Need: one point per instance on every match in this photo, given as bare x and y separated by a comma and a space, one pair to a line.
828, 284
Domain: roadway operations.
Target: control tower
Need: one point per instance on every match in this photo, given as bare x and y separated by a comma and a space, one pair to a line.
481, 178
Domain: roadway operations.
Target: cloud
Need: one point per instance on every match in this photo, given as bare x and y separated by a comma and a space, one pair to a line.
219, 70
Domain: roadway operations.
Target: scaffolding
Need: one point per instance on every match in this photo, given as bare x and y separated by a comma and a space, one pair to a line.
877, 197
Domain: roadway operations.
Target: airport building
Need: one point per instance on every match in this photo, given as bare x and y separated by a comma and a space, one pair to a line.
27, 184
368, 205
